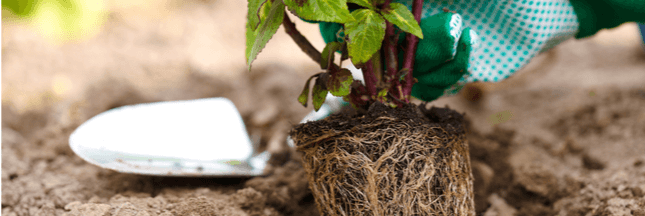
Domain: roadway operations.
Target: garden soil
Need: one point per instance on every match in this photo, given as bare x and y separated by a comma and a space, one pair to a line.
563, 137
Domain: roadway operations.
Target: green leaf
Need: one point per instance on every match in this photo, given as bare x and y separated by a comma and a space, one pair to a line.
358, 97
328, 54
258, 38
320, 10
365, 35
320, 91
340, 82
382, 94
255, 9
364, 3
382, 97
399, 15
304, 96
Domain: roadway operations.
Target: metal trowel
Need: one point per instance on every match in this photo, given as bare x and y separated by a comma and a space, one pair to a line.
203, 137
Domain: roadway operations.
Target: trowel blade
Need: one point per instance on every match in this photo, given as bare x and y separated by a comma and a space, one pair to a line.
204, 137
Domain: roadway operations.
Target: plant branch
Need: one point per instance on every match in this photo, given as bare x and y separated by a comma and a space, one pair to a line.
302, 42
392, 60
369, 77
410, 51
377, 66
391, 57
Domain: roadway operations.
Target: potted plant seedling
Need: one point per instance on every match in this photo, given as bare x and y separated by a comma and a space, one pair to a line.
390, 157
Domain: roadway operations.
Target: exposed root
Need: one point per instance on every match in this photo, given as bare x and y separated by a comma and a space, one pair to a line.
388, 165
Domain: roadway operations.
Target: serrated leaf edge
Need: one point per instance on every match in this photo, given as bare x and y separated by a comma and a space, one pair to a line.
248, 58
363, 3
351, 44
317, 18
415, 24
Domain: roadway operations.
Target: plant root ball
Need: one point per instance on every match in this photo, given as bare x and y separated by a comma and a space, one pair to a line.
404, 161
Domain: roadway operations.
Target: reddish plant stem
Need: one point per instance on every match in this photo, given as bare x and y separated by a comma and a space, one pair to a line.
377, 66
370, 78
302, 42
410, 51
391, 57
392, 61
390, 43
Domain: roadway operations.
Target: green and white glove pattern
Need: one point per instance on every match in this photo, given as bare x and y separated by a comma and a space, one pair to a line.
443, 56
510, 33
481, 41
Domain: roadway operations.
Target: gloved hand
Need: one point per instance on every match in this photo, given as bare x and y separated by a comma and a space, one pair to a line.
442, 56
510, 34
601, 14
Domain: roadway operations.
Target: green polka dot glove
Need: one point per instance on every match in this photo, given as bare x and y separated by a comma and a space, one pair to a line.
490, 40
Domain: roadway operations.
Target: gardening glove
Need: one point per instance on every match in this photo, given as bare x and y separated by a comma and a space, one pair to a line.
510, 34
444, 51
600, 14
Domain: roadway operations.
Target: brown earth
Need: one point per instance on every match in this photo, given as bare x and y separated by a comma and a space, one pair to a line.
563, 137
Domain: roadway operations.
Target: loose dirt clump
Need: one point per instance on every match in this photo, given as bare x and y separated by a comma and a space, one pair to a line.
582, 170
286, 189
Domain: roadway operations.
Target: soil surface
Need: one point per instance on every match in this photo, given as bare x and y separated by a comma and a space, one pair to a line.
418, 115
562, 137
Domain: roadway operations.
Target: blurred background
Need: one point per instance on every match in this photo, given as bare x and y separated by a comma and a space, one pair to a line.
56, 49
